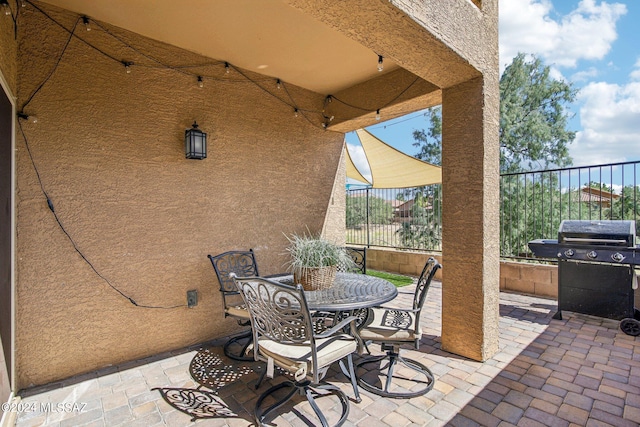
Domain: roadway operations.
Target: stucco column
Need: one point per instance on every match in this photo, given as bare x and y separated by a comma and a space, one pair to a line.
470, 247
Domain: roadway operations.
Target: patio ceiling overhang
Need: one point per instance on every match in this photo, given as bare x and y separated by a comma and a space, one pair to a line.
276, 39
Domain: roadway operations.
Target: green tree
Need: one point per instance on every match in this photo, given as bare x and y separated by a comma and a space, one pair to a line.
533, 116
423, 230
533, 119
601, 186
429, 142
627, 206
533, 132
356, 211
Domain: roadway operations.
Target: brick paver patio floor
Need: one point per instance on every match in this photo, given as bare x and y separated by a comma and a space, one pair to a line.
580, 371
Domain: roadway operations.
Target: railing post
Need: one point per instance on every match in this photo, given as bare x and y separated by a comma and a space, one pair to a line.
368, 236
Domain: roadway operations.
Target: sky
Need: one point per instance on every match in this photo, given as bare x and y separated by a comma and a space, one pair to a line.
595, 45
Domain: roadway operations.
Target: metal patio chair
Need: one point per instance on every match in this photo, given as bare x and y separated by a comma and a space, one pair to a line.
284, 337
391, 328
359, 258
242, 263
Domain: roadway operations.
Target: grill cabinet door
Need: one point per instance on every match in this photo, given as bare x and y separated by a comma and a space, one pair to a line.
603, 290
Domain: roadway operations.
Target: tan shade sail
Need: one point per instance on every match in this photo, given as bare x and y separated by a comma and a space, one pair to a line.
391, 168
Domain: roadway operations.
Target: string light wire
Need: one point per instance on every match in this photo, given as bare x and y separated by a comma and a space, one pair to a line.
73, 243
182, 69
159, 64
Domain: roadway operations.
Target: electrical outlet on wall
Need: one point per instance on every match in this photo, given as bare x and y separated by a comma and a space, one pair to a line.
192, 298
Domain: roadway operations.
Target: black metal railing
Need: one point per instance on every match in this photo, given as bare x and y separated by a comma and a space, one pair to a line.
407, 218
532, 205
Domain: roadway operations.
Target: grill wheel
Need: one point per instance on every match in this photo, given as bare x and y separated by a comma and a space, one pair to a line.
630, 327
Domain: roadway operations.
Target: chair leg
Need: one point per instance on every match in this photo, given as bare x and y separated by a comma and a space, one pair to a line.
264, 372
260, 414
385, 367
331, 389
237, 341
354, 380
390, 368
310, 393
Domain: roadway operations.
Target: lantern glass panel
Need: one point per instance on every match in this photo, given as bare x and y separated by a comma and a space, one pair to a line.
195, 143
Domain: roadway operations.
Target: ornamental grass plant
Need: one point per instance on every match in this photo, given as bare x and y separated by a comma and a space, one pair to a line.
313, 252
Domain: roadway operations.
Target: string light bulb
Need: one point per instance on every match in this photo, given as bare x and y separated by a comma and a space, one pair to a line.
378, 114
5, 7
85, 21
278, 83
295, 112
226, 67
380, 61
200, 81
31, 118
127, 66
23, 3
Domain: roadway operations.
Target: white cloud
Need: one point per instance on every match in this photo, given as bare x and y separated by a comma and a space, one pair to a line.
584, 75
587, 32
359, 160
610, 118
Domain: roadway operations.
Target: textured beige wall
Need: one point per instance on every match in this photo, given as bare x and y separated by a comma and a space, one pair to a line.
8, 52
109, 149
335, 219
470, 218
470, 157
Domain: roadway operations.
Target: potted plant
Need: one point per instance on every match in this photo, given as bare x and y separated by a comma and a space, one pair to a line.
314, 261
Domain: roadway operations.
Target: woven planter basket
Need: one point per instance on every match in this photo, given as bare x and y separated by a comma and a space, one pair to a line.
316, 278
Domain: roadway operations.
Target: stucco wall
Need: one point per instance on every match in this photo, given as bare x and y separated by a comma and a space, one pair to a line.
335, 220
108, 147
8, 52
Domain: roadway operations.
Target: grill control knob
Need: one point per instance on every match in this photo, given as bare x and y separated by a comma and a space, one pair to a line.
569, 253
617, 257
592, 254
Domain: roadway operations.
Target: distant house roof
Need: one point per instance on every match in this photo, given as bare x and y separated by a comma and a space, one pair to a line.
595, 195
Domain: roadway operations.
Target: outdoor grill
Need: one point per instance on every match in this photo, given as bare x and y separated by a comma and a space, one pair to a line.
596, 272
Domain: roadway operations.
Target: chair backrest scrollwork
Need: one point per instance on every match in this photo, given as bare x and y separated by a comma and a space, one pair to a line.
359, 261
241, 263
278, 311
428, 272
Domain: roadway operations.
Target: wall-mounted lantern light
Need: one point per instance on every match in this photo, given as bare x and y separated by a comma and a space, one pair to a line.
195, 143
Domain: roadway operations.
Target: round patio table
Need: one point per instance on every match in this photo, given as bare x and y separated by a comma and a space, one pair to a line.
350, 291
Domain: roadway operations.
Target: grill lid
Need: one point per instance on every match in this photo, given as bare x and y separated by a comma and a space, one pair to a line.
620, 233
